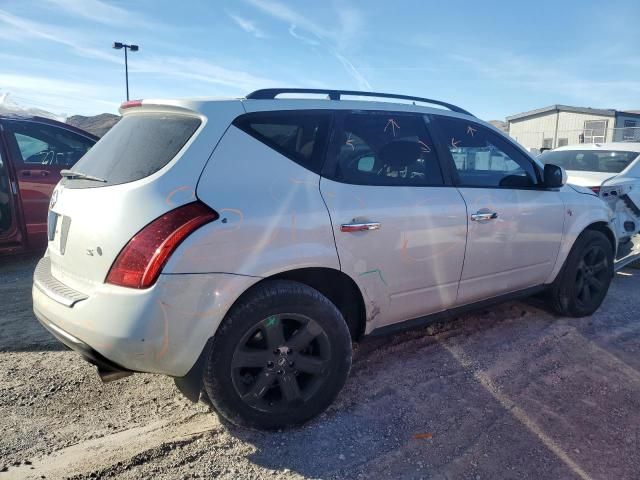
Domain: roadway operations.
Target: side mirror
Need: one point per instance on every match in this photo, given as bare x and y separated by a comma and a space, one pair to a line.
554, 176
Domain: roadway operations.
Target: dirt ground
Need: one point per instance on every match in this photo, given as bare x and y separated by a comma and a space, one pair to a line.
508, 392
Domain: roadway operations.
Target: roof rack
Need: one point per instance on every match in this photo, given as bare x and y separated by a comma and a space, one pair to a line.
272, 93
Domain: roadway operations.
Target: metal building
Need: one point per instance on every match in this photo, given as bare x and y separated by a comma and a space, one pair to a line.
559, 125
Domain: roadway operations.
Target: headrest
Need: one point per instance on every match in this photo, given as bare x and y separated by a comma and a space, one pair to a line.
399, 154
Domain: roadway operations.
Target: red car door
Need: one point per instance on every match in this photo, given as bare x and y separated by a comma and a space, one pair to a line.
10, 234
39, 151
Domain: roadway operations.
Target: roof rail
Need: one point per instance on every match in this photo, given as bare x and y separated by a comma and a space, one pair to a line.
272, 93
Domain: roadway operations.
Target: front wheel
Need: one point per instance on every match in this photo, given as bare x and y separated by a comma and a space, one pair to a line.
279, 358
584, 280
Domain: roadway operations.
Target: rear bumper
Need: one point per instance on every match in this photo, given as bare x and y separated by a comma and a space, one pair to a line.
77, 345
162, 329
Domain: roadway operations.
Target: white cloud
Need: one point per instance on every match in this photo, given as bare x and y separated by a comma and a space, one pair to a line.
362, 82
350, 28
102, 12
26, 29
247, 25
302, 38
284, 13
58, 95
202, 71
542, 75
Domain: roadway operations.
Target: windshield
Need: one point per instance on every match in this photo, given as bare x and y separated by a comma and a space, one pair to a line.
606, 161
136, 147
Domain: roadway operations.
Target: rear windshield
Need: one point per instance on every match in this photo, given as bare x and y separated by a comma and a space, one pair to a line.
606, 161
136, 147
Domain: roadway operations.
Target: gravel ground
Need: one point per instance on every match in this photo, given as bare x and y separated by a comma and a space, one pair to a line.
508, 392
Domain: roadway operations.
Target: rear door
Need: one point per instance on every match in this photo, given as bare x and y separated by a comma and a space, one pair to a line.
39, 151
399, 229
515, 224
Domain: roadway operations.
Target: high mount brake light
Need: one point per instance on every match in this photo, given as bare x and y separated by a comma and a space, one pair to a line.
131, 104
140, 262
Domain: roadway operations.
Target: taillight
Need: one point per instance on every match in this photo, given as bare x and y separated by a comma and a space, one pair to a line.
140, 262
595, 190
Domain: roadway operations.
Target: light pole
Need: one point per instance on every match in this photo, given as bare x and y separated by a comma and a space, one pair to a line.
133, 48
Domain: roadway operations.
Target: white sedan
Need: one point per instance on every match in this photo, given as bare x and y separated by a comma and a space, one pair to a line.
611, 170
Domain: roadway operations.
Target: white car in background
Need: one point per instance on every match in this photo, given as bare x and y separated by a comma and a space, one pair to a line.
611, 170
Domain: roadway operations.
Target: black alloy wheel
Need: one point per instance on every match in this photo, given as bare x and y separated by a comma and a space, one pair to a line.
281, 362
583, 282
279, 358
592, 275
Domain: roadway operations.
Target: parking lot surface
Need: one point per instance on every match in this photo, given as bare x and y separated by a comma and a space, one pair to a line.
506, 392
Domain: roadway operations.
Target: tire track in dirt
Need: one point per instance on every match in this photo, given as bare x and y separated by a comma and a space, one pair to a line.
117, 448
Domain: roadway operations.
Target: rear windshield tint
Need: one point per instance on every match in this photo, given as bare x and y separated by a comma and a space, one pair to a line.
605, 161
136, 147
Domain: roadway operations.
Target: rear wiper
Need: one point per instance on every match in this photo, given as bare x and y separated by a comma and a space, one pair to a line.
80, 176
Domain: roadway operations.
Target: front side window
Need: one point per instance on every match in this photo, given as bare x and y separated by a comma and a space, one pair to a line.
482, 158
43, 144
385, 148
298, 135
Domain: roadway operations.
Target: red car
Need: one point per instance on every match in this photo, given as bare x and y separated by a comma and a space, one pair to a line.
33, 150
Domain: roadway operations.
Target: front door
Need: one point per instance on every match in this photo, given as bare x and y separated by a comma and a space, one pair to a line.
515, 225
400, 233
8, 222
39, 151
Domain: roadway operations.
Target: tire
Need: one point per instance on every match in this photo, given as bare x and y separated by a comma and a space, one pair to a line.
279, 358
584, 280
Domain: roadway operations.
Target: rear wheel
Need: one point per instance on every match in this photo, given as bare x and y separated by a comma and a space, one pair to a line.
279, 358
584, 280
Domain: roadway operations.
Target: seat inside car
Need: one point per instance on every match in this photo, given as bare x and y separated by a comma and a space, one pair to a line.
590, 162
401, 158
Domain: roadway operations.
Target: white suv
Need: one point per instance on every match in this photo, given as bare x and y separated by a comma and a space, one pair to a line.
241, 245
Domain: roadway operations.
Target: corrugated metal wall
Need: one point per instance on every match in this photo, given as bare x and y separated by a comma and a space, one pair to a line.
531, 132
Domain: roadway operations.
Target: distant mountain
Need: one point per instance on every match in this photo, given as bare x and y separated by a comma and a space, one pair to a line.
97, 124
500, 125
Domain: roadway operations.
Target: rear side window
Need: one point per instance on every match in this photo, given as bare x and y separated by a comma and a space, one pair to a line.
298, 135
385, 148
136, 147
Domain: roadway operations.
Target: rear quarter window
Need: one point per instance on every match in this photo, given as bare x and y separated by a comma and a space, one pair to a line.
136, 147
299, 135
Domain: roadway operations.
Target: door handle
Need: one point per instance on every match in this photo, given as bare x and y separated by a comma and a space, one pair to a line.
26, 173
479, 216
359, 227
44, 173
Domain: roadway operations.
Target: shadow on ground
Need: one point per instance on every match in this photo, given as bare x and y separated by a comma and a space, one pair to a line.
511, 391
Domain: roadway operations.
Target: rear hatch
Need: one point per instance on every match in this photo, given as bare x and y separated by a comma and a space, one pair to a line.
147, 165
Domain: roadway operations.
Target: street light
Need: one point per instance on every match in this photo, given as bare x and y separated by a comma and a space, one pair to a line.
133, 48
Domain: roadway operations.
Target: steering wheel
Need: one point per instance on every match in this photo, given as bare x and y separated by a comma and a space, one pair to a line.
46, 157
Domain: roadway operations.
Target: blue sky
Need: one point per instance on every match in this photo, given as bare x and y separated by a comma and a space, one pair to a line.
493, 58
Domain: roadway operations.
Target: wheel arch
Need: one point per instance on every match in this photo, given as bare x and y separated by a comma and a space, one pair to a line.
604, 228
570, 238
334, 284
337, 286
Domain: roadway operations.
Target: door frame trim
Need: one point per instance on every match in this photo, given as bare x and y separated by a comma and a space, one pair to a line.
449, 314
